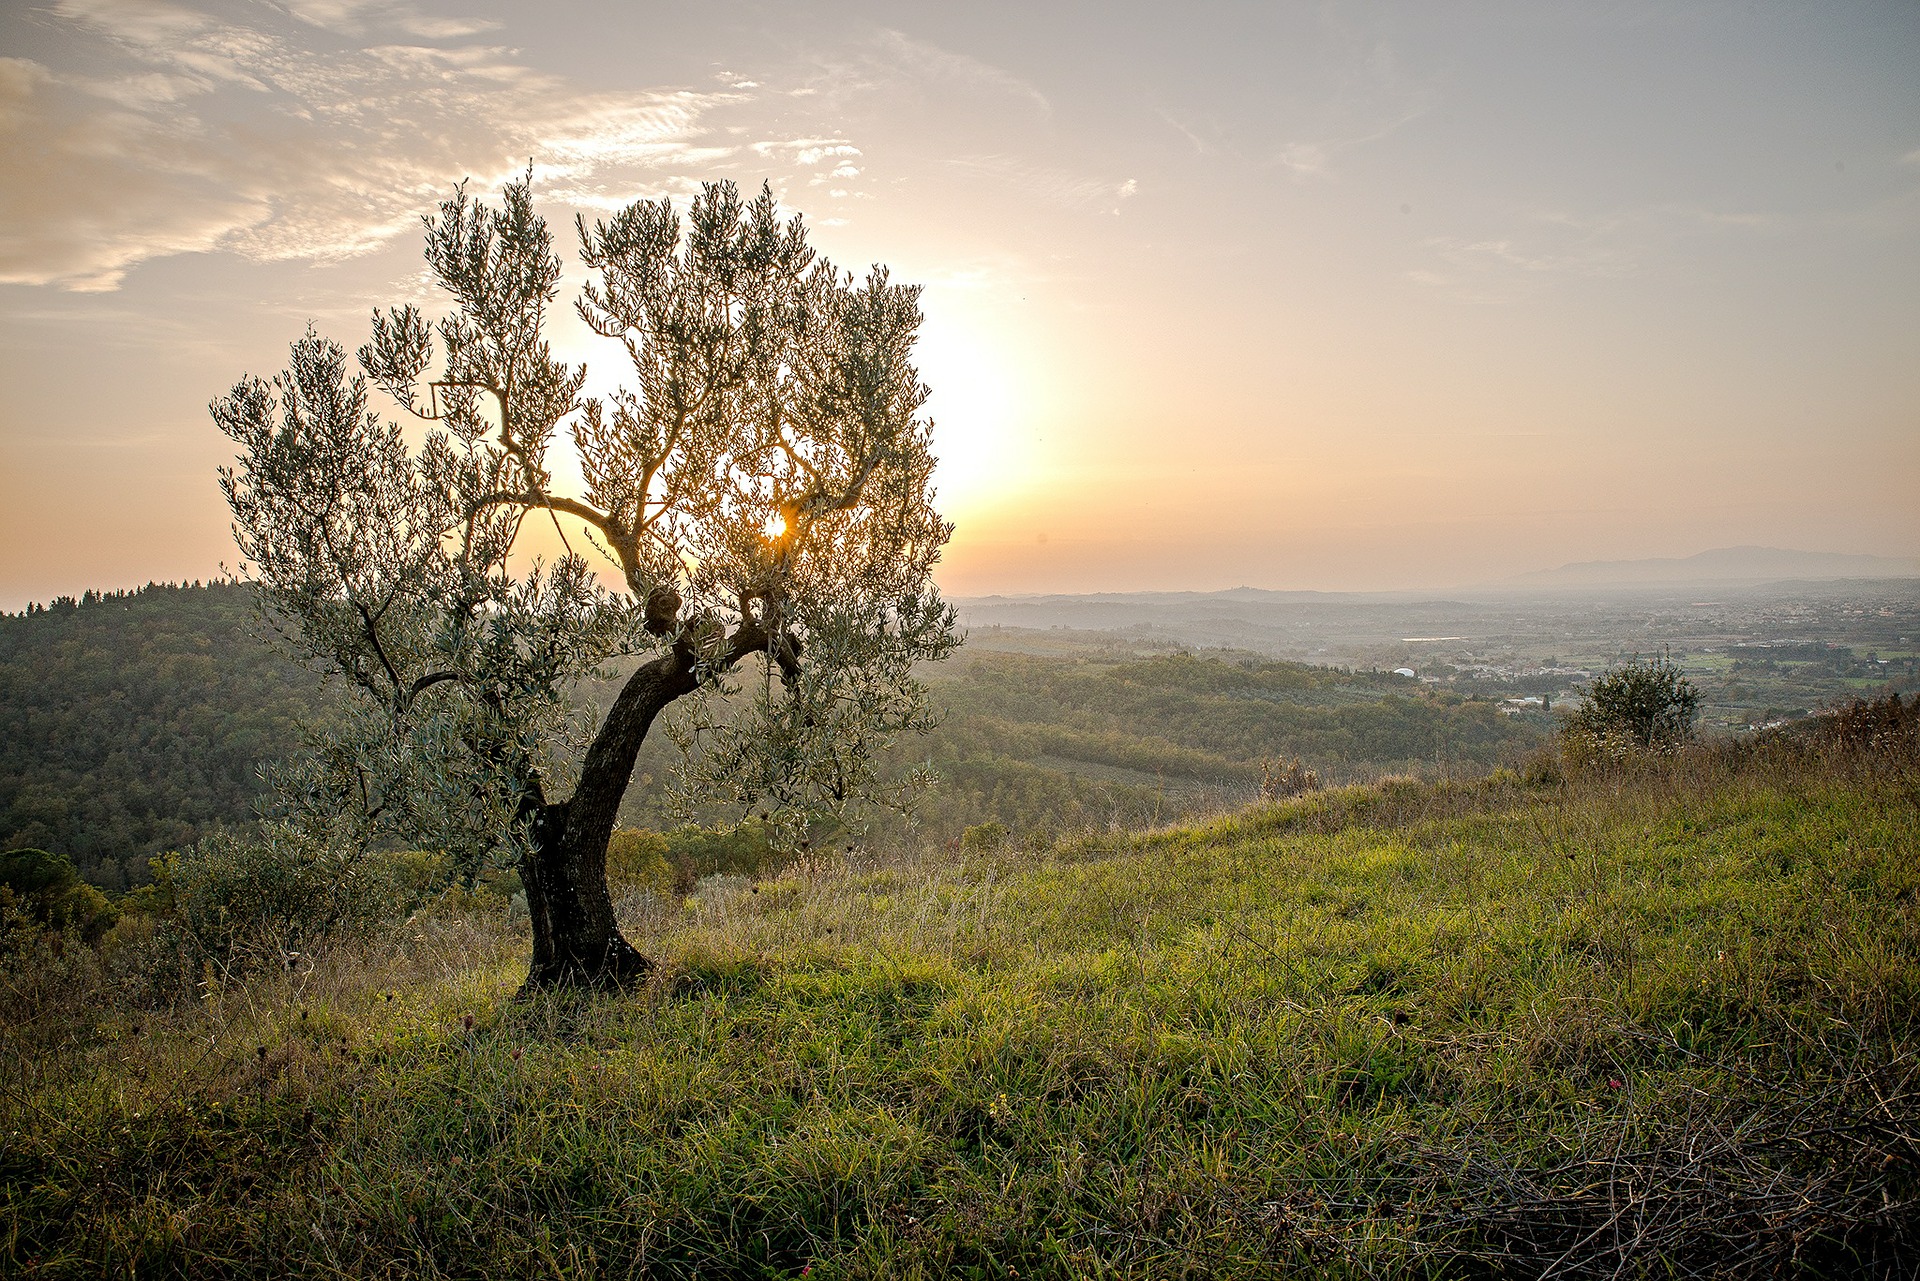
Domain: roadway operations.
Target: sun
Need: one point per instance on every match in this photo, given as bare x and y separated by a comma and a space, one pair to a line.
974, 394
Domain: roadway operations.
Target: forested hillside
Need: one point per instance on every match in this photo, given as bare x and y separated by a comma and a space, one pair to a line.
1037, 742
131, 722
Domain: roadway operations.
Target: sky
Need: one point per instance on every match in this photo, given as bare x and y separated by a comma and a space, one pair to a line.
1299, 296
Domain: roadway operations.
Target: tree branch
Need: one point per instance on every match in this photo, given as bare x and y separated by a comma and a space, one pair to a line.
427, 682
538, 498
373, 637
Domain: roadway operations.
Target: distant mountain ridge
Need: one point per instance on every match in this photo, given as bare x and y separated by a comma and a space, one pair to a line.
1724, 564
1721, 565
1255, 595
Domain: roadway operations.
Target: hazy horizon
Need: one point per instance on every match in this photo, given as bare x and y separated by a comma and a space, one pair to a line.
1359, 297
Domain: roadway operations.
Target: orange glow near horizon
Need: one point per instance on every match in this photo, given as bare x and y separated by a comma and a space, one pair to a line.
1270, 295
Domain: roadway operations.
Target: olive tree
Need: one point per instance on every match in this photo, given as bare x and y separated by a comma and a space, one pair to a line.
755, 534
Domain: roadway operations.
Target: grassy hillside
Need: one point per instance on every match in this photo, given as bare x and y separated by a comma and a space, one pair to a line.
1645, 1022
1056, 743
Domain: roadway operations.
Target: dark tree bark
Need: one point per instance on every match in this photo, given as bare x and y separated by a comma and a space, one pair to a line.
576, 941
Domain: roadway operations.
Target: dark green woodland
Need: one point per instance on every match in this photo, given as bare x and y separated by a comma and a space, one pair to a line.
134, 723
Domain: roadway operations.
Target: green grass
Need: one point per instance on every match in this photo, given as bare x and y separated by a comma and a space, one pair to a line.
1661, 1021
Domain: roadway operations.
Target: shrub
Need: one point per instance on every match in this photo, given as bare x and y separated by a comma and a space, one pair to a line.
637, 862
1541, 768
1643, 705
1283, 779
51, 987
277, 887
45, 889
1040, 839
1879, 727
671, 863
410, 875
983, 836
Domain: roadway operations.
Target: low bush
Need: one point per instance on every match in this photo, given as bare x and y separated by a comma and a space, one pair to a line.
39, 889
637, 863
279, 888
744, 849
1879, 726
983, 836
1284, 779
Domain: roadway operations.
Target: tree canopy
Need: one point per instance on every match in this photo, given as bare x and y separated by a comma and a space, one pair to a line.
132, 722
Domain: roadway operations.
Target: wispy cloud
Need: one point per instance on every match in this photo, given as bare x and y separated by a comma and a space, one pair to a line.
1365, 94
918, 60
911, 75
1727, 219
152, 24
1525, 256
1064, 187
191, 133
359, 17
1895, 214
1536, 245
1314, 158
1202, 132
1530, 249
959, 111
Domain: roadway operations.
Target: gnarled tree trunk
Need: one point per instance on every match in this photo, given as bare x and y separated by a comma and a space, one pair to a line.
576, 941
